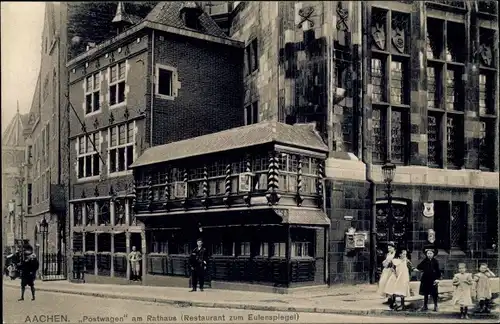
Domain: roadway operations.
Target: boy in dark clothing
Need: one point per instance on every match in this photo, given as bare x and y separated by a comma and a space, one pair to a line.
198, 262
430, 277
28, 268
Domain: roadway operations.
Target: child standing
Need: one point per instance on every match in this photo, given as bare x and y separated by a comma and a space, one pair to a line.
399, 284
387, 270
430, 277
483, 287
463, 285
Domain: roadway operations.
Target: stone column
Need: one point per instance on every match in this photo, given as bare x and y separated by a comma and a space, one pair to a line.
84, 214
127, 212
96, 252
112, 270
112, 212
144, 255
127, 250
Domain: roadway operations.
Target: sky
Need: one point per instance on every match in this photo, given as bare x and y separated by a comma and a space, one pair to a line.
21, 41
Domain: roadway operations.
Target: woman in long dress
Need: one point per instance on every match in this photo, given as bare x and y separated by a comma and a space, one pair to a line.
463, 286
398, 285
387, 271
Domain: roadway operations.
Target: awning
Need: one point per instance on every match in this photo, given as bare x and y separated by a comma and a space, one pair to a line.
303, 216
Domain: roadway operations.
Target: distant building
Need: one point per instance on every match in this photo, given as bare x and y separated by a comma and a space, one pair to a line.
170, 76
13, 150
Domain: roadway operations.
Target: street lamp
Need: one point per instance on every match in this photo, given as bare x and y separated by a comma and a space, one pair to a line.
389, 171
44, 229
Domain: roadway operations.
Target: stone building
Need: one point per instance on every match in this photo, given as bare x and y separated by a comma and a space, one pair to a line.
387, 81
44, 196
156, 81
13, 150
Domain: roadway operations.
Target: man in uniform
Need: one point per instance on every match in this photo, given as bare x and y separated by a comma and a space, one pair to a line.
198, 262
135, 258
28, 268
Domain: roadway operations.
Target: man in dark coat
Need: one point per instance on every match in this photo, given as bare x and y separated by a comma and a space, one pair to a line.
28, 268
198, 262
430, 277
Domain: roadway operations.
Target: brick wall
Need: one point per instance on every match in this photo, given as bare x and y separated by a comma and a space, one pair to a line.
210, 95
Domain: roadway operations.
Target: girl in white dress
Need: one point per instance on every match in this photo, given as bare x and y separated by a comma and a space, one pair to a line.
387, 271
398, 285
463, 286
483, 287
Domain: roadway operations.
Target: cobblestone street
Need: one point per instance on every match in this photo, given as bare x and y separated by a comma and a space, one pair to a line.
81, 309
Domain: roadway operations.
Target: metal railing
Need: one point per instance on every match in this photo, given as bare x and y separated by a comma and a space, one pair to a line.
52, 266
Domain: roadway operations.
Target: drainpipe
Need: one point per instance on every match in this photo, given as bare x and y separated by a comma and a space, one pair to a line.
152, 87
362, 25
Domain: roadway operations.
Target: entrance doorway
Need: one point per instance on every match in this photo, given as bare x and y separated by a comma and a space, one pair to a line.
135, 240
391, 229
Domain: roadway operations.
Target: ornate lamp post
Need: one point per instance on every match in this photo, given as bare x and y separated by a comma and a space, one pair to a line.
389, 171
44, 229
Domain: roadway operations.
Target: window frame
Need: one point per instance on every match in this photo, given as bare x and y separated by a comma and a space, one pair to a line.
86, 154
94, 92
252, 56
124, 146
173, 81
252, 113
386, 105
443, 61
116, 84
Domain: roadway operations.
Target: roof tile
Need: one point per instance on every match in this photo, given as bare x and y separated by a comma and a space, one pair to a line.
257, 134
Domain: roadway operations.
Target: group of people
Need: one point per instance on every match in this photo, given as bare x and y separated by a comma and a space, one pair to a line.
395, 281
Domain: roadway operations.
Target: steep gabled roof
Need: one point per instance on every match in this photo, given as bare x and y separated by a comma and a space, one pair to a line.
13, 134
168, 13
303, 136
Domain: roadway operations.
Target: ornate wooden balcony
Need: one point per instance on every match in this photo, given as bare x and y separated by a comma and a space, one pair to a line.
263, 164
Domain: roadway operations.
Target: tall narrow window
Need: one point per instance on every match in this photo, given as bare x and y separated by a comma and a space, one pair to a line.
434, 139
486, 94
121, 147
451, 90
252, 57
454, 128
486, 144
88, 156
117, 84
379, 138
397, 136
458, 229
252, 113
377, 80
397, 83
92, 93
433, 87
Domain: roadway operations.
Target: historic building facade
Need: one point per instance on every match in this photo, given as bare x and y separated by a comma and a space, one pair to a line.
387, 81
151, 84
252, 193
44, 196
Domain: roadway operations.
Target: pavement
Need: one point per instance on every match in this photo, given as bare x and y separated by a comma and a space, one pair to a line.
360, 300
54, 307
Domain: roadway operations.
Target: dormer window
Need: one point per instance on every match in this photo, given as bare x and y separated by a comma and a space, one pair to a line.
190, 15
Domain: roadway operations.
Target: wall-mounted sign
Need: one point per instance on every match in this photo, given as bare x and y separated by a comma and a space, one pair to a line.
245, 182
428, 209
431, 236
180, 189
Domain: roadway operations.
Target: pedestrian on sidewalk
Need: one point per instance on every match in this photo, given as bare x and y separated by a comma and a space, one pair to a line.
430, 277
463, 285
387, 272
483, 287
28, 268
135, 258
398, 284
198, 262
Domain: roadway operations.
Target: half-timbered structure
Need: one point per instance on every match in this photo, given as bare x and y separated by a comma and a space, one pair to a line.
253, 193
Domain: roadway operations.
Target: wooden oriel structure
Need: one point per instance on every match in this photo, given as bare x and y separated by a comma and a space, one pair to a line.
253, 193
